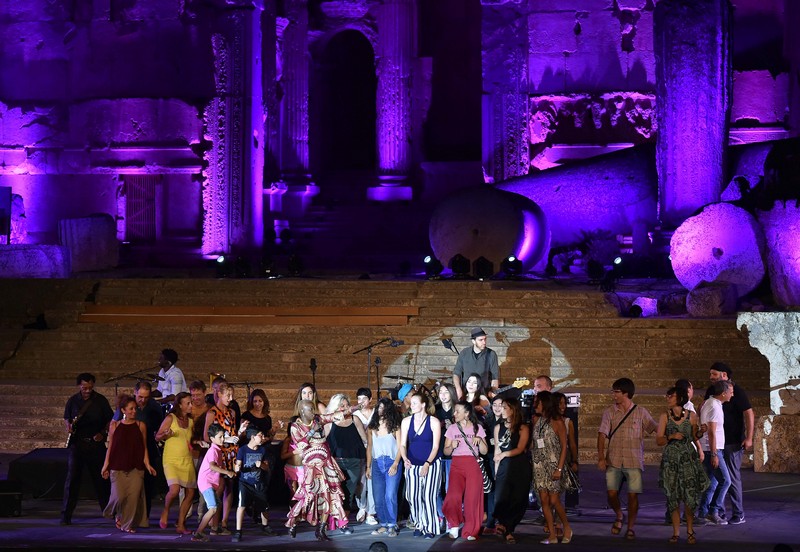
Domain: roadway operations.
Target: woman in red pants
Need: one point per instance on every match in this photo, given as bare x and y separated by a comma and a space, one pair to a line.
463, 503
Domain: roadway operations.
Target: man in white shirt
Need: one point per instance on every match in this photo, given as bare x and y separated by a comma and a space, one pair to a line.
365, 500
171, 380
713, 445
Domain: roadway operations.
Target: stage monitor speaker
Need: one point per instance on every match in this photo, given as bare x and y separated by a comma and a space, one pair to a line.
10, 499
42, 473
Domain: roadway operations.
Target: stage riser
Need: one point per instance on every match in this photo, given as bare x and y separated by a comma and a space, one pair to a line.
573, 334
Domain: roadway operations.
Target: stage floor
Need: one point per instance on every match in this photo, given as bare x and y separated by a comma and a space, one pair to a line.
772, 506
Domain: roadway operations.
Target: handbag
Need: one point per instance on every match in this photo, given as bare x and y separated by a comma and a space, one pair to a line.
570, 480
487, 481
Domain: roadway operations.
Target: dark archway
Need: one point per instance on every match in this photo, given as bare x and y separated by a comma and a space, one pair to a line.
342, 105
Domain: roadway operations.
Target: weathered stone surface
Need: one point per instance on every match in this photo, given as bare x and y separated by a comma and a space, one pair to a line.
92, 242
34, 261
649, 306
708, 301
776, 335
693, 90
722, 244
781, 226
628, 181
759, 97
488, 222
775, 444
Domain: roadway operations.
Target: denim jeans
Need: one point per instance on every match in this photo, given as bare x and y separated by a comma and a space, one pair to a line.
720, 481
384, 487
733, 460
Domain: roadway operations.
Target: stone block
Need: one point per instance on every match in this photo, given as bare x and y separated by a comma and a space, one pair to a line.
34, 261
570, 6
34, 10
131, 121
32, 126
92, 242
600, 70
711, 301
41, 81
775, 444
643, 37
552, 33
649, 306
546, 74
760, 98
722, 244
641, 70
628, 181
781, 226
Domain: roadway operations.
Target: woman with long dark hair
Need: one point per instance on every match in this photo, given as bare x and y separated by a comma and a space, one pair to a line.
513, 470
475, 394
549, 438
383, 463
176, 433
126, 460
463, 503
307, 392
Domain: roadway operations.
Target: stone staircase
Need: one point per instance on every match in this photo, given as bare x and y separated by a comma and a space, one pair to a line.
569, 332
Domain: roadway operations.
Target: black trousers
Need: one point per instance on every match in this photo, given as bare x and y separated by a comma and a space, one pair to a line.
90, 454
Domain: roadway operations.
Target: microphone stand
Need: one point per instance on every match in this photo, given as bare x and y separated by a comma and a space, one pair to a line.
313, 367
368, 349
377, 378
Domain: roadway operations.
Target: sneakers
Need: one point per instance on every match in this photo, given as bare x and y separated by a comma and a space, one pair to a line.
699, 521
453, 533
715, 519
346, 530
736, 520
266, 530
392, 532
371, 520
236, 537
380, 531
361, 515
221, 531
199, 537
429, 536
417, 533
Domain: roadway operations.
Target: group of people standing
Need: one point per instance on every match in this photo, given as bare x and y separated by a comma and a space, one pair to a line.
462, 458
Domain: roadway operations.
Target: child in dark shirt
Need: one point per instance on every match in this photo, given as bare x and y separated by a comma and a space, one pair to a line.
253, 468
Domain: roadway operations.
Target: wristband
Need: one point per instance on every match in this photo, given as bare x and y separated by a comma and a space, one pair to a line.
427, 462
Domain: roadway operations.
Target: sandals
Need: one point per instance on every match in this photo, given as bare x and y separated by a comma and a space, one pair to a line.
690, 539
673, 539
510, 538
630, 534
500, 530
616, 528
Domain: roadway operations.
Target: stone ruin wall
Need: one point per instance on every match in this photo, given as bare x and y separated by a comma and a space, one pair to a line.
585, 78
92, 90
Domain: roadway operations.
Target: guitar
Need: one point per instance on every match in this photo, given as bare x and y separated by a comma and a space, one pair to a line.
518, 383
72, 429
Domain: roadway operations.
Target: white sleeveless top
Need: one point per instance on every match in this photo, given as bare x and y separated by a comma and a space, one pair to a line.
385, 445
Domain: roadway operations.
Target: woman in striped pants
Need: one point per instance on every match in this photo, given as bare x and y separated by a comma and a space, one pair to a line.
419, 446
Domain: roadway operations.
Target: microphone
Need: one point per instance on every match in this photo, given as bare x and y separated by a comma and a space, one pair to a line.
313, 365
396, 342
448, 343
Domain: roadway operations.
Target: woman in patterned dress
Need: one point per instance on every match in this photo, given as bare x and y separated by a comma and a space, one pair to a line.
319, 495
549, 443
682, 476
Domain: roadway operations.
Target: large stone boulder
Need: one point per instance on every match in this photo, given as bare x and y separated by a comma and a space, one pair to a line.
775, 444
722, 244
34, 261
781, 226
491, 223
615, 193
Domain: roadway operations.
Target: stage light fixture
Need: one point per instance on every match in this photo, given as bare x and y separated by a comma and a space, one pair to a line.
460, 265
483, 268
222, 267
511, 266
433, 267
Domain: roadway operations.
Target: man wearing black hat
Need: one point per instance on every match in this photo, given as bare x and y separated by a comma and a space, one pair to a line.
479, 359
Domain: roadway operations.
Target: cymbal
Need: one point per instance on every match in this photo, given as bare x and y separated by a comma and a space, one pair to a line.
399, 377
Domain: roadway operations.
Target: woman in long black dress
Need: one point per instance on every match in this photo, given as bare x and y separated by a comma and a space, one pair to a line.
513, 471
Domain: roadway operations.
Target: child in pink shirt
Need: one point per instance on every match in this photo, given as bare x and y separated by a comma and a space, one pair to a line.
208, 478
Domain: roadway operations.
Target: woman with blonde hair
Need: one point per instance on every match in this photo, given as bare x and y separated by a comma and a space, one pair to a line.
348, 444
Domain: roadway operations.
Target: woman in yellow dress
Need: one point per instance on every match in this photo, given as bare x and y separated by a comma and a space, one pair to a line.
176, 432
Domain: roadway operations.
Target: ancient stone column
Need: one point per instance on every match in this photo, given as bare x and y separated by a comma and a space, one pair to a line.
294, 86
506, 151
394, 52
693, 89
233, 187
